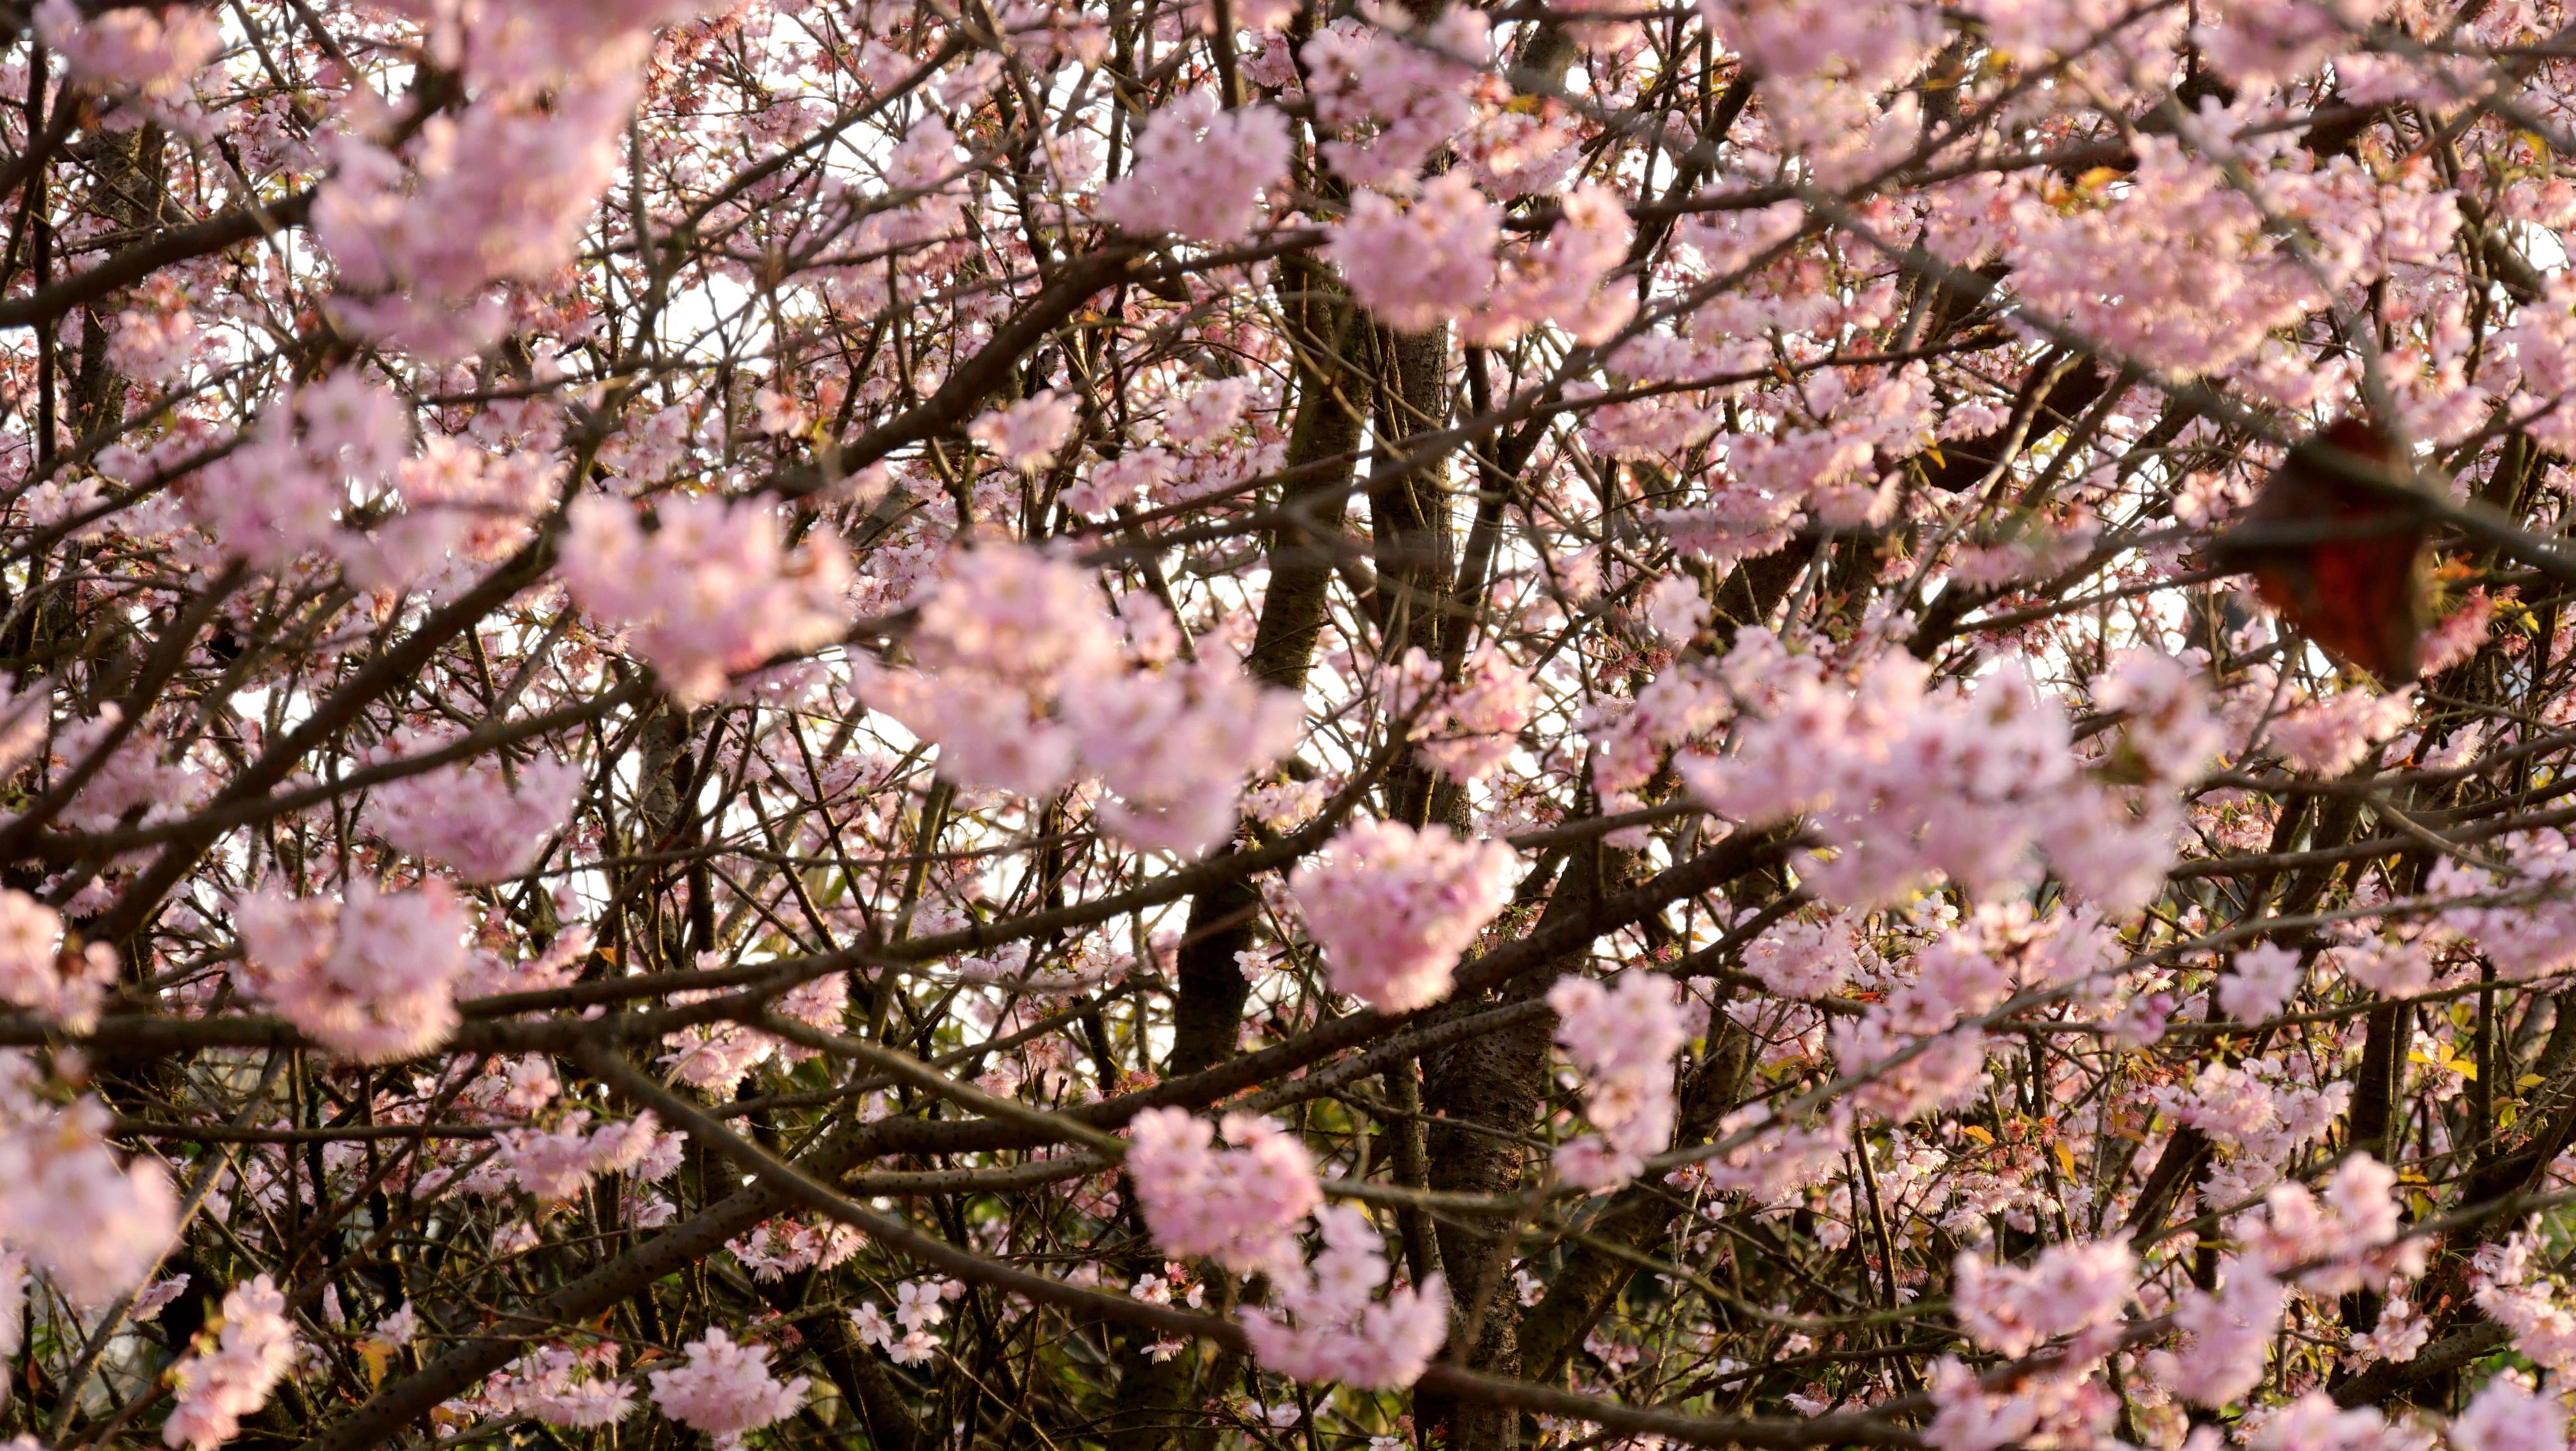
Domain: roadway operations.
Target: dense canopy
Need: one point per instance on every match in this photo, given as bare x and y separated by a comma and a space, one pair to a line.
924, 724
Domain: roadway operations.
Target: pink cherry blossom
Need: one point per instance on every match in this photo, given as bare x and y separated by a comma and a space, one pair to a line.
725, 1389
150, 54
564, 1387
2170, 726
42, 971
1334, 1330
2330, 737
1200, 171
476, 819
94, 1223
555, 1164
1974, 783
1476, 725
1415, 265
418, 246
2228, 1334
1027, 434
2069, 1289
712, 593
2261, 980
372, 976
2506, 1416
1238, 1205
231, 1376
1622, 1040
1393, 908
1023, 682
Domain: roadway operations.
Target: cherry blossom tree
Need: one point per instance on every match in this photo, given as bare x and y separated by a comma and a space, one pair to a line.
1245, 724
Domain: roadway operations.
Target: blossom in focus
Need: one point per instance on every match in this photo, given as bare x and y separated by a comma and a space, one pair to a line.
230, 1375
1025, 435
785, 1247
1622, 1040
477, 819
1393, 908
1334, 1330
41, 971
372, 977
1200, 171
725, 1389
713, 593
1236, 1205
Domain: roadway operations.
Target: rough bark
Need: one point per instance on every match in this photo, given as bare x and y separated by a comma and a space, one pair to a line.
1483, 1096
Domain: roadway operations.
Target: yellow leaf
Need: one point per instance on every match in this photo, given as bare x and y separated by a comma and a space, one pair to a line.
2065, 1159
2529, 1080
374, 1353
1979, 1134
2097, 176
